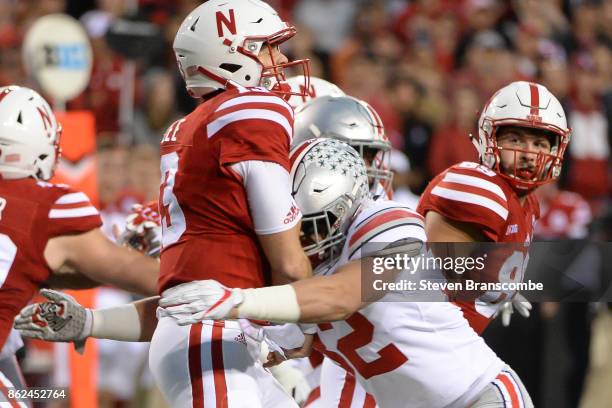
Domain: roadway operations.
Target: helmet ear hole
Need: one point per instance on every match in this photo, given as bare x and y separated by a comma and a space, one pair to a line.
43, 156
230, 67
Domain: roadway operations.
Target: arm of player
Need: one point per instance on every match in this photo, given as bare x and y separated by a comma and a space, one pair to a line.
63, 319
317, 299
97, 258
276, 218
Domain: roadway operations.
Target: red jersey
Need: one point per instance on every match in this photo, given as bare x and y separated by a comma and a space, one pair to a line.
31, 213
567, 215
471, 193
208, 231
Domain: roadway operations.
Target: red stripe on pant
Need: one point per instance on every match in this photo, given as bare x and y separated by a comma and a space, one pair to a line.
346, 397
216, 350
369, 401
4, 391
314, 395
512, 391
195, 365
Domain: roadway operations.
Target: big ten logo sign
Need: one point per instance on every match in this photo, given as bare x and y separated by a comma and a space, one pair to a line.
66, 56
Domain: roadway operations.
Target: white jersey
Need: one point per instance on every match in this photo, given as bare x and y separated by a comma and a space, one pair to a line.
411, 354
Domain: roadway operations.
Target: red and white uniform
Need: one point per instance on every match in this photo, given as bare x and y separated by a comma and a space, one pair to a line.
211, 165
413, 354
566, 215
203, 201
32, 212
473, 194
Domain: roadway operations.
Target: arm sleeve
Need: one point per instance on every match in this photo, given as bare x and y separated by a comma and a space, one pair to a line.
256, 131
268, 190
72, 213
467, 197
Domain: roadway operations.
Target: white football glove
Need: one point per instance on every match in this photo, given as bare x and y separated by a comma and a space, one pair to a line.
143, 229
62, 319
293, 381
519, 303
192, 302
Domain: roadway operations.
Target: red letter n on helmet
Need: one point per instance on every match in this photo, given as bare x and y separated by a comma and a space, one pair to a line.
229, 24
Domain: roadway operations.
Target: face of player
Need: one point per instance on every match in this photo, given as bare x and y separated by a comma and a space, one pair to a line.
523, 151
271, 55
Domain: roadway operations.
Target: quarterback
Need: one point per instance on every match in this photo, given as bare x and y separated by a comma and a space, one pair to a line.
225, 198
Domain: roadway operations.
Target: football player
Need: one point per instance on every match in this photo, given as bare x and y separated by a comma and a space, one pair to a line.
522, 136
225, 199
49, 233
414, 354
355, 122
318, 87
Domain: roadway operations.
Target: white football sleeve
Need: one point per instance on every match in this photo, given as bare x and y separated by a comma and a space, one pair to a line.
268, 187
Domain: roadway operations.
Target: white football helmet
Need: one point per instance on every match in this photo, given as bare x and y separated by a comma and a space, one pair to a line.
29, 135
352, 121
220, 41
523, 104
318, 87
329, 183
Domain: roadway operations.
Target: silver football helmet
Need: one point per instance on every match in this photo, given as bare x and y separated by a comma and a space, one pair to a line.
352, 121
329, 183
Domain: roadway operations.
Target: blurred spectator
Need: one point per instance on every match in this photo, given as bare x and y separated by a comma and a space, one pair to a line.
330, 22
406, 95
563, 214
589, 150
451, 143
400, 165
159, 110
143, 172
370, 38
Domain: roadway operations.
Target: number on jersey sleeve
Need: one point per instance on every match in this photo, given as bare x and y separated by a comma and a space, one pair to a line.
172, 217
8, 251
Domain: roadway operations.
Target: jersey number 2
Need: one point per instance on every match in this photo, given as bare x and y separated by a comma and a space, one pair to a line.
390, 357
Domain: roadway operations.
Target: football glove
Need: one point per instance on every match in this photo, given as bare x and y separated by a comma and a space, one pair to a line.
192, 302
143, 229
519, 303
293, 381
61, 319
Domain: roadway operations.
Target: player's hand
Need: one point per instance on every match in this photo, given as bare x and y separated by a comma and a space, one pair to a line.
61, 319
192, 302
142, 229
292, 380
519, 303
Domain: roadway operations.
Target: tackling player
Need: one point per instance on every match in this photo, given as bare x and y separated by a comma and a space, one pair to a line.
352, 121
49, 234
522, 136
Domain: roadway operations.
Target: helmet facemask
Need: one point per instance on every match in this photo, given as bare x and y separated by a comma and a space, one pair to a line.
546, 167
377, 160
273, 76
